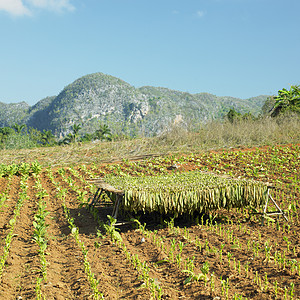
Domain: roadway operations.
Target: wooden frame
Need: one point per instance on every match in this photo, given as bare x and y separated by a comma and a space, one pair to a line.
104, 187
270, 213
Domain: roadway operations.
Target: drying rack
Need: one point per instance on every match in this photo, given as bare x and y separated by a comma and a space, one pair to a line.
103, 187
271, 213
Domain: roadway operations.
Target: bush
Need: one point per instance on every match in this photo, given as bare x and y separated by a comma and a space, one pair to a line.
19, 141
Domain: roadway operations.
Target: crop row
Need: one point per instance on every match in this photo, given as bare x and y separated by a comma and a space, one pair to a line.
280, 258
22, 197
61, 193
20, 169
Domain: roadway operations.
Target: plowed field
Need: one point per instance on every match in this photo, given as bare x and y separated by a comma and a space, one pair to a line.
227, 254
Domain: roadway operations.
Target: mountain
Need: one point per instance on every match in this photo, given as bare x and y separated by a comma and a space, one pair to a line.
103, 98
12, 113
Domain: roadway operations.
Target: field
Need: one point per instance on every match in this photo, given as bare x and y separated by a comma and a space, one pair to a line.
54, 246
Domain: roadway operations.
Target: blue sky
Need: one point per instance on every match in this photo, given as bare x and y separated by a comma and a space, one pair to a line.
239, 48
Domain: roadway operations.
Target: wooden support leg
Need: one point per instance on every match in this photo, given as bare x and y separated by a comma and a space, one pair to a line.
116, 206
265, 210
96, 197
278, 212
279, 209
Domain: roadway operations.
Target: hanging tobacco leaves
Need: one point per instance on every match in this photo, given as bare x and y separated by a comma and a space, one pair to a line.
187, 192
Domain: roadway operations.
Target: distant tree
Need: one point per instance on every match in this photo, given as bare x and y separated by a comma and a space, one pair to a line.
4, 133
233, 115
47, 138
103, 133
248, 116
75, 129
287, 100
18, 128
35, 135
268, 106
68, 139
20, 141
87, 137
73, 136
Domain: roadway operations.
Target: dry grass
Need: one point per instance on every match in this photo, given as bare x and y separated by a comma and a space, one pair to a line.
247, 133
214, 135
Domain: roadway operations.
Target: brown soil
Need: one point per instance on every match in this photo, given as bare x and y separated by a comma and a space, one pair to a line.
243, 265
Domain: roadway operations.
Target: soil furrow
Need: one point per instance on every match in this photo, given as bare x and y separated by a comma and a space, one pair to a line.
22, 266
165, 274
3, 184
118, 279
224, 269
108, 263
257, 262
65, 270
7, 210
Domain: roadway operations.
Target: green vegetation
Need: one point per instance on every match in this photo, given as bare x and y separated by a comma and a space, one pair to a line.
103, 133
187, 192
203, 240
287, 101
40, 226
170, 258
241, 131
235, 130
21, 137
94, 283
72, 137
126, 110
234, 116
20, 169
12, 222
47, 138
214, 135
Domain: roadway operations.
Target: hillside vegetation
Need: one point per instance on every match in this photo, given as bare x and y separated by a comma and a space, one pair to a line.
214, 135
125, 109
191, 222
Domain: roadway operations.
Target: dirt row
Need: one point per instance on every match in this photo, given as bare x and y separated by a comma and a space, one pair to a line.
66, 277
237, 233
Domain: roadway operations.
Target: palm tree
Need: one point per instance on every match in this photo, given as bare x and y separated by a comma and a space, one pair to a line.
47, 137
18, 128
103, 133
76, 128
287, 101
68, 139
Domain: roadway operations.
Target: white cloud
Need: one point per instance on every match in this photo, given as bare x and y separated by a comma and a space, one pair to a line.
53, 5
14, 7
200, 13
27, 7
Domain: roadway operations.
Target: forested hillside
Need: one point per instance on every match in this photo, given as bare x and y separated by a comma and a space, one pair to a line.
99, 98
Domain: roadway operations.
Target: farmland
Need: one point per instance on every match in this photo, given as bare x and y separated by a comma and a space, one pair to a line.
54, 246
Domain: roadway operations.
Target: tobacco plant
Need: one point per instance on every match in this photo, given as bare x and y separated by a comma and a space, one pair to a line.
22, 197
187, 192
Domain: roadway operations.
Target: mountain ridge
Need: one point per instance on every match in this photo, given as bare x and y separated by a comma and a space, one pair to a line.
99, 97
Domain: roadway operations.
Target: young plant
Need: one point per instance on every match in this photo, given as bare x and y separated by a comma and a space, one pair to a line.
111, 230
22, 197
40, 235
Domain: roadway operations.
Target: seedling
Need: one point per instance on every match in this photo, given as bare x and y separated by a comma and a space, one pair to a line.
229, 255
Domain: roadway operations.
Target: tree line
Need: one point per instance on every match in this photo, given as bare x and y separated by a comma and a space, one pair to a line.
20, 136
287, 101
